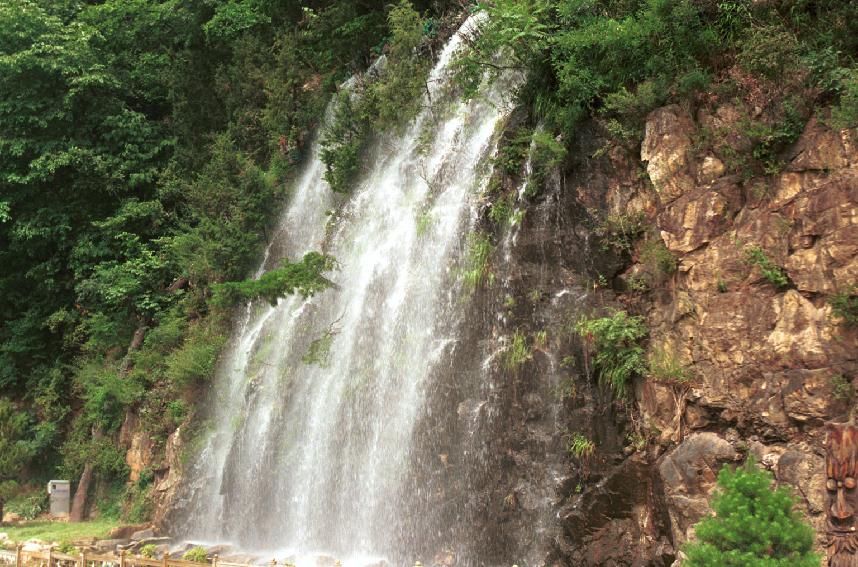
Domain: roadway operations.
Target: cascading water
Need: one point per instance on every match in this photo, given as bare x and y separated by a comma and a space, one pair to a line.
317, 400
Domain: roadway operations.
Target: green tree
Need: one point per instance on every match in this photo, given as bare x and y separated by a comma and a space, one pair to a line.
754, 525
15, 449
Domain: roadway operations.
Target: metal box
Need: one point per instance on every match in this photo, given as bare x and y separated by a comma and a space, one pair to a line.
60, 493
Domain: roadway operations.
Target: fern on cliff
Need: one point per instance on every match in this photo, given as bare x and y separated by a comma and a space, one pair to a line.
617, 342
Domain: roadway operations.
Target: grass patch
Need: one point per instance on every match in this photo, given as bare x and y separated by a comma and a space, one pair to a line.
580, 446
60, 531
476, 270
517, 352
666, 366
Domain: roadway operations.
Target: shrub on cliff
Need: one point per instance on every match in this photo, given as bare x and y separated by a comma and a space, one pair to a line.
617, 341
753, 526
844, 305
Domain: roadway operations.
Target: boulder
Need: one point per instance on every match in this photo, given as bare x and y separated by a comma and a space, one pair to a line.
618, 520
126, 532
667, 140
110, 545
136, 546
697, 218
820, 148
689, 474
146, 533
35, 546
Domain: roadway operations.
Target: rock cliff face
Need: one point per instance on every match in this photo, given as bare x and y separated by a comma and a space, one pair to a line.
769, 363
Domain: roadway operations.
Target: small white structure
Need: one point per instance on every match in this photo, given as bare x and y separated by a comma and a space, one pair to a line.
60, 493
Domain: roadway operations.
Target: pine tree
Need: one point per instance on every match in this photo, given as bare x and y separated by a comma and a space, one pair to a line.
754, 525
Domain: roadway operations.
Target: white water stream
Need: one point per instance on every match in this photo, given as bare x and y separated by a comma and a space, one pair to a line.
312, 458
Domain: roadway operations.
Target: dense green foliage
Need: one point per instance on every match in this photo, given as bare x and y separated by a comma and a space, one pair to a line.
754, 525
619, 354
385, 99
144, 145
15, 450
618, 60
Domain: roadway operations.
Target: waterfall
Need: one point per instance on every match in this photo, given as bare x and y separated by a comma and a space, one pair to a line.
316, 402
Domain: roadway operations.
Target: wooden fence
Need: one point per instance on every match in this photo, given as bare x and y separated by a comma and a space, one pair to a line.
52, 558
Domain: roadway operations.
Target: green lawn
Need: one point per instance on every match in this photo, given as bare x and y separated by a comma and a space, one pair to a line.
59, 531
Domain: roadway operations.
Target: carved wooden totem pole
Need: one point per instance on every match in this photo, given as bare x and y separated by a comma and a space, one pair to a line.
841, 469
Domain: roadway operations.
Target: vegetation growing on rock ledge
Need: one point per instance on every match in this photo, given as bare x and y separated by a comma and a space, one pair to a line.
616, 340
304, 278
844, 305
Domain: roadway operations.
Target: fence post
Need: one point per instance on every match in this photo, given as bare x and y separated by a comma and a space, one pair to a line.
214, 560
19, 559
82, 558
50, 555
122, 558
165, 559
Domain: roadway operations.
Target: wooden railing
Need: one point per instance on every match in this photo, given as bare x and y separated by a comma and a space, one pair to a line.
52, 558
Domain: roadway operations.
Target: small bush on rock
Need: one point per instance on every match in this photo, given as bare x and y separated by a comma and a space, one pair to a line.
753, 526
844, 305
580, 446
657, 259
197, 554
148, 551
773, 273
